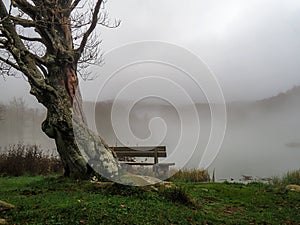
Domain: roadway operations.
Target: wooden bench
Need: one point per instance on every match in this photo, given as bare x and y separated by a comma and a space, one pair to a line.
125, 153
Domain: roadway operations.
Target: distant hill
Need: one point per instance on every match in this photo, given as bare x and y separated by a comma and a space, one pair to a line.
290, 98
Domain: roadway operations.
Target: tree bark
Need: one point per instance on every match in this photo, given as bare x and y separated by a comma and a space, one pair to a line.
82, 152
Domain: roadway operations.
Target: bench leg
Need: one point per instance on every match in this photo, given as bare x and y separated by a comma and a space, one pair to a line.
161, 171
155, 170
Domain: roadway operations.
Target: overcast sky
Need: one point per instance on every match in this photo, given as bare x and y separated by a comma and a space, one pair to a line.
252, 46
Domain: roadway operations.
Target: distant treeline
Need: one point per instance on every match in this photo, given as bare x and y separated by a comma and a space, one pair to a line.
21, 124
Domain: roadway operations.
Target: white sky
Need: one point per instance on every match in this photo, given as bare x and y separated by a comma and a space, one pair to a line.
252, 46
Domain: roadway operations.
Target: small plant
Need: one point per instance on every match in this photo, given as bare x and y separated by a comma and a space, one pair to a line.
292, 177
194, 175
176, 195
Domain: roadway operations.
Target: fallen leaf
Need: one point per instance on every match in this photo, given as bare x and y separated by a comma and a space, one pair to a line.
190, 219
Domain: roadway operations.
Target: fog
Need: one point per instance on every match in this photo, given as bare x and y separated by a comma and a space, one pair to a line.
252, 46
21, 124
261, 139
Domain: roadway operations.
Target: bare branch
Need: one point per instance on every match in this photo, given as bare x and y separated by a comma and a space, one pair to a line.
22, 22
8, 70
31, 39
8, 29
26, 7
116, 24
90, 30
106, 22
49, 45
2, 19
74, 5
19, 52
10, 63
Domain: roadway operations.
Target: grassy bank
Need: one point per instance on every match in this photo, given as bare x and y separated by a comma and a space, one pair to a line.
53, 200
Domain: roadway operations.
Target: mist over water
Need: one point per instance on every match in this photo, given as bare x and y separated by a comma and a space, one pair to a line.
21, 124
262, 137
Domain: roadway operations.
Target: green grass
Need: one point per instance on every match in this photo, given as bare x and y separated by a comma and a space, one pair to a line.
55, 200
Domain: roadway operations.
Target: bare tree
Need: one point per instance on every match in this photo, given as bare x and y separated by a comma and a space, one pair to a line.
47, 42
17, 110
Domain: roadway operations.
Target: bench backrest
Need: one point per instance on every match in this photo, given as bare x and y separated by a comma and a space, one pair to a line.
142, 151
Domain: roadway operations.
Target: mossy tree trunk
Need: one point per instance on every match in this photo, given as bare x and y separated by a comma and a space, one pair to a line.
54, 81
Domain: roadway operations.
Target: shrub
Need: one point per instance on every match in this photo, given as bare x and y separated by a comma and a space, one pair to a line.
194, 175
21, 159
292, 177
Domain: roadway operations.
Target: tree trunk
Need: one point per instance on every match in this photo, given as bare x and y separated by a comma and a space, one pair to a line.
82, 152
53, 79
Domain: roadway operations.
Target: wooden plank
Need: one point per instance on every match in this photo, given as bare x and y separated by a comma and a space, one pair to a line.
138, 148
140, 151
140, 154
147, 163
165, 164
137, 163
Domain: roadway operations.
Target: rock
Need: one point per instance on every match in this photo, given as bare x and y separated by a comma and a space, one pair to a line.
138, 180
5, 206
148, 182
293, 187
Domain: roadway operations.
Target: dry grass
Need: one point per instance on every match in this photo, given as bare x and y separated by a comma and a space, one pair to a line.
18, 160
193, 175
292, 177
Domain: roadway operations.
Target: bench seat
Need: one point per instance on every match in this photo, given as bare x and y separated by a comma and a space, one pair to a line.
155, 152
